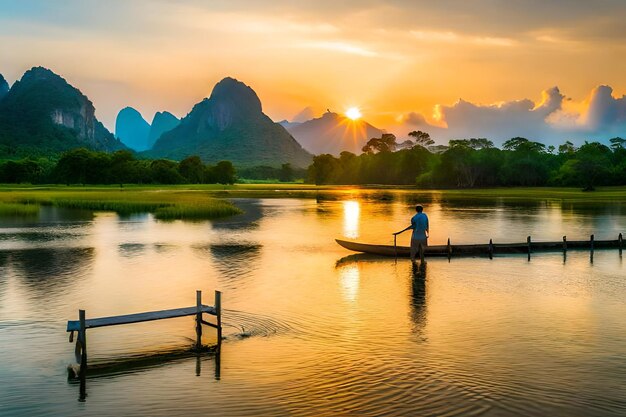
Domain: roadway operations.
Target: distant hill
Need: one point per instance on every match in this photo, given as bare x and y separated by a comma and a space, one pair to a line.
288, 125
4, 87
43, 113
132, 129
333, 133
230, 125
161, 123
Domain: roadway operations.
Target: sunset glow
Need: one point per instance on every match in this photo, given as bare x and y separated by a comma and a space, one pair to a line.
161, 55
353, 113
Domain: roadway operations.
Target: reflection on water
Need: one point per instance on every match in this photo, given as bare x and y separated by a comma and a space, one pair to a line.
350, 282
310, 328
418, 295
351, 213
50, 271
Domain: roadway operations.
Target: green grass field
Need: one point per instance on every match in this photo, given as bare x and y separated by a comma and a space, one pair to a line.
207, 201
165, 203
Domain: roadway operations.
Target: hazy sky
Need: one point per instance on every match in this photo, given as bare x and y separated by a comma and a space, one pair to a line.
396, 60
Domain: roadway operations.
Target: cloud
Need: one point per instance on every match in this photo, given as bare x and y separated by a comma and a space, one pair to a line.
551, 120
340, 46
604, 110
455, 38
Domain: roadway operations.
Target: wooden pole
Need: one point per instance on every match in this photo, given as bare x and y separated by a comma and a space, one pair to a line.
395, 248
82, 338
198, 319
619, 239
528, 243
449, 250
591, 239
490, 248
218, 313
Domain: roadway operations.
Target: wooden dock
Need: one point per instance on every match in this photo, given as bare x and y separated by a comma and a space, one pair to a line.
82, 324
486, 249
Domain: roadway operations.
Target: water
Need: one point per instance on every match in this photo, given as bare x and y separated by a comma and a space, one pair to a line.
311, 330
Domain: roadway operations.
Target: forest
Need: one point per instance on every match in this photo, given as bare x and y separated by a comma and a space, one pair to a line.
82, 166
463, 163
474, 163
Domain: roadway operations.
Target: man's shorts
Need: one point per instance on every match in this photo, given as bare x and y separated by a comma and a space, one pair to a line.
415, 246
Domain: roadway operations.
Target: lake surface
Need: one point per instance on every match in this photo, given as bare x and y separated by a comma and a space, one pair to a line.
311, 330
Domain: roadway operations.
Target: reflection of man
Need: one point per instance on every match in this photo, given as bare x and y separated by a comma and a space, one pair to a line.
419, 238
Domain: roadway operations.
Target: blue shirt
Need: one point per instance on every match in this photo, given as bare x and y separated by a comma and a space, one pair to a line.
419, 224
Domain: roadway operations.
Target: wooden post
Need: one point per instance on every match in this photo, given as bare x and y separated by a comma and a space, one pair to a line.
395, 248
591, 239
528, 243
449, 250
218, 364
218, 313
82, 339
490, 248
619, 240
564, 243
198, 319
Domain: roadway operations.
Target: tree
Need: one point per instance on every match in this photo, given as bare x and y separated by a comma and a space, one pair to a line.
474, 143
192, 169
225, 173
165, 172
567, 148
73, 166
519, 144
386, 143
286, 173
617, 143
592, 165
325, 169
421, 138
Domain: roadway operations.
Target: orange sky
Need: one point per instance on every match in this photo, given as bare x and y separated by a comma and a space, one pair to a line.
388, 58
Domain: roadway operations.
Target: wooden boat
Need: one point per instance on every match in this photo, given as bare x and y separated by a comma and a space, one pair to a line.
487, 249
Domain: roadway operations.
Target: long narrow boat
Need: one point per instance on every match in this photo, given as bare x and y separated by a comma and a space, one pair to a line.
483, 249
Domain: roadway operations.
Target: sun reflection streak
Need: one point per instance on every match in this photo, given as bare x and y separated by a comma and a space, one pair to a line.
350, 278
351, 215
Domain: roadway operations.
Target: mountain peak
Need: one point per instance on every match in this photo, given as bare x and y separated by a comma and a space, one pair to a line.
41, 74
235, 92
4, 87
161, 123
43, 110
132, 129
230, 125
333, 133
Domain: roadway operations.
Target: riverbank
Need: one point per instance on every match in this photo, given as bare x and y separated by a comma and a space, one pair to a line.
153, 197
160, 195
165, 204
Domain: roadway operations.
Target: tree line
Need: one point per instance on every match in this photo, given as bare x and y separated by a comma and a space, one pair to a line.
475, 162
82, 166
463, 163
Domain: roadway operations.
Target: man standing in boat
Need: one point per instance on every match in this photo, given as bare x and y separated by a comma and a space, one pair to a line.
419, 238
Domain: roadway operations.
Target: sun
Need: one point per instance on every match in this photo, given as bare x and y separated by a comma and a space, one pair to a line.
353, 113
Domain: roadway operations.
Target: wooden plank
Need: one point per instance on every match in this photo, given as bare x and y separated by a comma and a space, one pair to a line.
73, 325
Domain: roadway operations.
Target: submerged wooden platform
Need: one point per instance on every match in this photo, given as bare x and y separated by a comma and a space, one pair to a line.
486, 249
74, 325
82, 324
